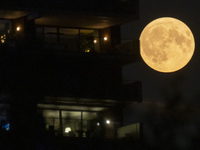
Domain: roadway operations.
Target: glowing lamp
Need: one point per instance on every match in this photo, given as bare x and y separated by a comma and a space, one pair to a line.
98, 124
87, 50
67, 130
166, 44
95, 41
105, 38
18, 28
107, 121
3, 38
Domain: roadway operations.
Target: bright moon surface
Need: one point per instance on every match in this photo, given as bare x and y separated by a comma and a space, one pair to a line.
166, 44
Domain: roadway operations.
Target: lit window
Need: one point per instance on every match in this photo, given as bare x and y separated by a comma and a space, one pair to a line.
67, 130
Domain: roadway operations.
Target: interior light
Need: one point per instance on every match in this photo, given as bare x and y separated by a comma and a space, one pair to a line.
6, 127
95, 41
18, 28
105, 38
67, 130
3, 38
98, 124
107, 121
87, 50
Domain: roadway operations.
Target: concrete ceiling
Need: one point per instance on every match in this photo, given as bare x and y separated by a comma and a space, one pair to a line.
68, 107
67, 19
76, 104
80, 20
12, 14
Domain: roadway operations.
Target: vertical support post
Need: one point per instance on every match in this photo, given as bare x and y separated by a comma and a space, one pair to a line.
81, 127
79, 40
53, 122
60, 120
81, 120
58, 35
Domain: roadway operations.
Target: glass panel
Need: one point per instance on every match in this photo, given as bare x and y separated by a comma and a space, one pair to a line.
69, 32
69, 38
74, 40
5, 26
51, 119
2, 27
73, 125
5, 29
4, 124
96, 41
86, 32
50, 35
51, 113
89, 123
89, 115
71, 120
39, 32
87, 40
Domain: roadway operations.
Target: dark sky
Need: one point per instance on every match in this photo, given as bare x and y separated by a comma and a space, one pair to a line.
156, 85
170, 108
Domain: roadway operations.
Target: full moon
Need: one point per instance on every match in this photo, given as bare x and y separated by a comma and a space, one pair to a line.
166, 44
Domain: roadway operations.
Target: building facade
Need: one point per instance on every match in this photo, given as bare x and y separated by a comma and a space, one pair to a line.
61, 65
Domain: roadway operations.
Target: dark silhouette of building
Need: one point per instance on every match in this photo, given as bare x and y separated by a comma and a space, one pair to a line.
61, 67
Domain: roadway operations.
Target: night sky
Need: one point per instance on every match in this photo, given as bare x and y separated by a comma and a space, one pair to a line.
170, 108
171, 101
153, 81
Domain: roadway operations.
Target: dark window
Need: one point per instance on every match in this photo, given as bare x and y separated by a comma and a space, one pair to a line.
50, 35
75, 40
69, 38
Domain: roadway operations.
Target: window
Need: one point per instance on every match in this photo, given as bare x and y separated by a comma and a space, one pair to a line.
40, 32
86, 40
51, 119
69, 38
75, 40
50, 35
5, 26
5, 30
71, 123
